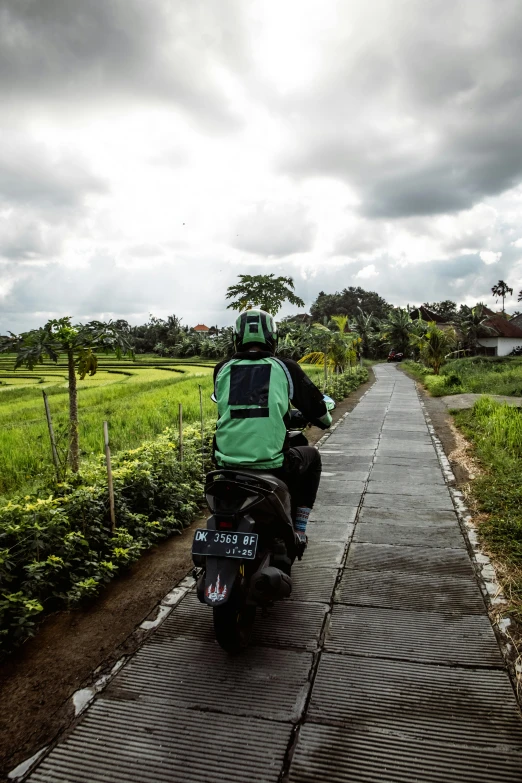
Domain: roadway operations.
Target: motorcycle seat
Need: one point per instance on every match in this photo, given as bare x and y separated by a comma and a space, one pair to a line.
266, 476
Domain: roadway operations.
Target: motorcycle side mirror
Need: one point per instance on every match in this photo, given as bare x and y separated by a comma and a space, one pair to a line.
329, 402
213, 397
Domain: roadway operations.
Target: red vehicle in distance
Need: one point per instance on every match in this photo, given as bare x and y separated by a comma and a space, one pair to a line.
395, 356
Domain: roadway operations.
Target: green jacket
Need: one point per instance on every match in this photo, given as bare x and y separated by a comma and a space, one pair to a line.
254, 391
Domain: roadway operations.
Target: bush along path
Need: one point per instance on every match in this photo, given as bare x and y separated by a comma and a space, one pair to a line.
57, 551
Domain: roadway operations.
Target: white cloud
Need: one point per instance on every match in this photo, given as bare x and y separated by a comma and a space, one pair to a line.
367, 272
489, 257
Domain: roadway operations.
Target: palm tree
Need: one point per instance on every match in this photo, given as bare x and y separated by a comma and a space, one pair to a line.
417, 335
396, 329
434, 344
501, 289
364, 324
338, 347
472, 324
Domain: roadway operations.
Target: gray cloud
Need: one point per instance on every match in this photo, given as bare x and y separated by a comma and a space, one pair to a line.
106, 50
274, 230
423, 119
25, 238
28, 175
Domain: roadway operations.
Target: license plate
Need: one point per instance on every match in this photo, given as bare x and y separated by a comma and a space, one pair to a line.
215, 543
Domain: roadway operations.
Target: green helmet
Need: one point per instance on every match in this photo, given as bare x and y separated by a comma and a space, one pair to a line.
255, 327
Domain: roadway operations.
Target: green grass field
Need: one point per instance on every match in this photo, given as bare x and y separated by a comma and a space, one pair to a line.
138, 398
495, 431
479, 375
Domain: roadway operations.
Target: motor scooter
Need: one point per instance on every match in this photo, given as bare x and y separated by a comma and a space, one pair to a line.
246, 551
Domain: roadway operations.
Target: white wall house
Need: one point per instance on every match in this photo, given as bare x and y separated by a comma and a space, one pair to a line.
502, 335
501, 345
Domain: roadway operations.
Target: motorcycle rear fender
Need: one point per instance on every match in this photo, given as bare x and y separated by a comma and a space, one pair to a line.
221, 572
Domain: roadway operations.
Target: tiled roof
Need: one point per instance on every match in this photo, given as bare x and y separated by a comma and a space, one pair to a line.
503, 327
201, 328
427, 315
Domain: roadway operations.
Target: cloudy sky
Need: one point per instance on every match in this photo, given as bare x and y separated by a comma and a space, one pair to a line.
152, 150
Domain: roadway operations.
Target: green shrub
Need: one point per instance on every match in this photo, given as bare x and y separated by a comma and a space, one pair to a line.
339, 386
55, 551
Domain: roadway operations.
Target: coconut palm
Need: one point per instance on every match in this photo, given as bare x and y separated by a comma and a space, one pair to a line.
339, 347
396, 329
434, 345
472, 324
365, 326
500, 290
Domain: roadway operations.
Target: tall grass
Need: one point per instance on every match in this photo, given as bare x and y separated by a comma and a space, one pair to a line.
501, 425
476, 375
495, 431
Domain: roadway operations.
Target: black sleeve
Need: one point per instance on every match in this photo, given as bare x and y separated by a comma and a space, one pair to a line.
306, 398
218, 367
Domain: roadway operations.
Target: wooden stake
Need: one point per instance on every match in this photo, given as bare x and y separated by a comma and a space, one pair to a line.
109, 474
181, 432
202, 429
51, 436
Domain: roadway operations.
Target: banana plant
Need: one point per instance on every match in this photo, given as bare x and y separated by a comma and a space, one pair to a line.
339, 347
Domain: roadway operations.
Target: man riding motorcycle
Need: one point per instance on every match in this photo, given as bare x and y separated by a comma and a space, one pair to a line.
254, 390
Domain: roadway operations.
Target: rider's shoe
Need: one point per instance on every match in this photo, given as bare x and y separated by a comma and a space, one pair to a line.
301, 542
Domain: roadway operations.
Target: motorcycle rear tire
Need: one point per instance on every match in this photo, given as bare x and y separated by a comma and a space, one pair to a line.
233, 625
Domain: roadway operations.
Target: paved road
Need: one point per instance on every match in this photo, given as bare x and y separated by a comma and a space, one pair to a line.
383, 666
462, 401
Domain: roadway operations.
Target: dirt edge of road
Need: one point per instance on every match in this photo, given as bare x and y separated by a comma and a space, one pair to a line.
38, 681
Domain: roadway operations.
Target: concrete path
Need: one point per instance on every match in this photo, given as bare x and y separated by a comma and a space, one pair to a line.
462, 401
383, 666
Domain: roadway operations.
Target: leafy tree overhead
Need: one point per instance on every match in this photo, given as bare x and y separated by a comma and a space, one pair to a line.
265, 291
500, 290
347, 302
80, 343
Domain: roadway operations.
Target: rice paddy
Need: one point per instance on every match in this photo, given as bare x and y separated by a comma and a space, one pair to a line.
138, 398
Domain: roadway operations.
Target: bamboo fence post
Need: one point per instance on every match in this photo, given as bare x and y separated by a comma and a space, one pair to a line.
202, 429
181, 432
51, 436
109, 474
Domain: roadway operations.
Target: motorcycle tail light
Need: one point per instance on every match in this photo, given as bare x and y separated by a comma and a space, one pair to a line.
224, 524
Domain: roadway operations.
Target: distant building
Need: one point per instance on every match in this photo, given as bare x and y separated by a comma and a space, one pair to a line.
505, 336
201, 328
425, 314
517, 320
300, 318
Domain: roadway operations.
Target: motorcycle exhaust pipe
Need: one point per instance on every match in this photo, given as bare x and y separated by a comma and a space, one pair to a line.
270, 584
